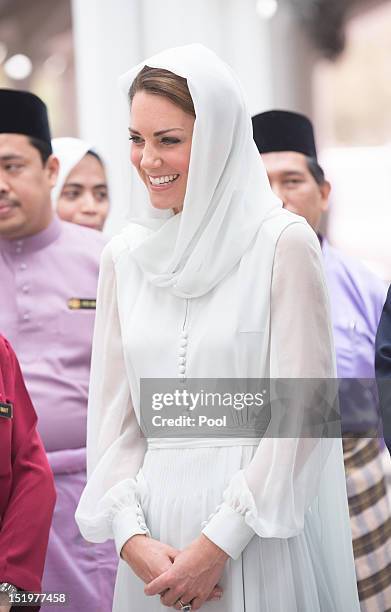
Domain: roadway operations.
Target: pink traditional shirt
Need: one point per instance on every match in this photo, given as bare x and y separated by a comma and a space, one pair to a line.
48, 285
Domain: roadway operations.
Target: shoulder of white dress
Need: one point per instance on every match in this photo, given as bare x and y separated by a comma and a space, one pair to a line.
116, 246
129, 239
299, 231
277, 224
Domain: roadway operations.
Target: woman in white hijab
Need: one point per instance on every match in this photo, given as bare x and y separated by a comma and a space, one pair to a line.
198, 288
81, 194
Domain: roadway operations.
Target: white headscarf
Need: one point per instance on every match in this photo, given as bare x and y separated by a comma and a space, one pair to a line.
69, 152
228, 195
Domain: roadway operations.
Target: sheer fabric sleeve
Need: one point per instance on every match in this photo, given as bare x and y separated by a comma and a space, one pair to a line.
109, 506
271, 495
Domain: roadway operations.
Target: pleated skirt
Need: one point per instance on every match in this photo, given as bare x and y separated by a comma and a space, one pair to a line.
179, 489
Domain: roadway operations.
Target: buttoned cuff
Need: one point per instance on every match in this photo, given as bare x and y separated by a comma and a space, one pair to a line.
228, 530
128, 522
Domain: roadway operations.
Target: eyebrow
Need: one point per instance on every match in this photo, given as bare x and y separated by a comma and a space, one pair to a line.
11, 156
157, 133
79, 185
292, 173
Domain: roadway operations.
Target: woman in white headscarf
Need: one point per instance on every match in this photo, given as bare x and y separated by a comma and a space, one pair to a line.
199, 288
81, 193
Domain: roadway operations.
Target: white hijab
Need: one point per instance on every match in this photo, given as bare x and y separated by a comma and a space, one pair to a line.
69, 152
228, 195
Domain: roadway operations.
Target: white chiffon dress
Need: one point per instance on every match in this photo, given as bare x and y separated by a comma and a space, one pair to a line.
278, 507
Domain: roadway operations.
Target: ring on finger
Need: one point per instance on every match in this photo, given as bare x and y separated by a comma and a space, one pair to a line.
184, 607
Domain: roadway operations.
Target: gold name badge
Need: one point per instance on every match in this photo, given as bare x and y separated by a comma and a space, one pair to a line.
6, 410
81, 304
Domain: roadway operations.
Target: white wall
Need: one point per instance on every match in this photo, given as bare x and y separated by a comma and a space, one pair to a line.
360, 204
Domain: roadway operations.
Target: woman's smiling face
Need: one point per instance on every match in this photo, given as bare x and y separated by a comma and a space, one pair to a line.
161, 135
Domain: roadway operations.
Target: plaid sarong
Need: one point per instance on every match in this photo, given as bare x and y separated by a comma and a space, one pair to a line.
370, 519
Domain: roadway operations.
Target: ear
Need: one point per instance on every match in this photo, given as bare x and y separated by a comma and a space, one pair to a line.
52, 167
325, 189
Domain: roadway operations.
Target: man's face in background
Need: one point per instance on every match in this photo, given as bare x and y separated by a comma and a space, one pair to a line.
25, 187
292, 181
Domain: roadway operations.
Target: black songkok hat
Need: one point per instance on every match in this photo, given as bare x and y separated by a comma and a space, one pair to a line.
22, 112
278, 130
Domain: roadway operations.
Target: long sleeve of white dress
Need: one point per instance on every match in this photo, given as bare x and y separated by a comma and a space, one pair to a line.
271, 495
109, 506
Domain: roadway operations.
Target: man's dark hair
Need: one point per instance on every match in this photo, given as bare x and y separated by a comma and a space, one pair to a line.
316, 171
98, 157
43, 148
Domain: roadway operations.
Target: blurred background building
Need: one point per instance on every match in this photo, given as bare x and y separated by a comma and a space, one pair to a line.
330, 59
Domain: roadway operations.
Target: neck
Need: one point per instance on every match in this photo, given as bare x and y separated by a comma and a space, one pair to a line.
40, 225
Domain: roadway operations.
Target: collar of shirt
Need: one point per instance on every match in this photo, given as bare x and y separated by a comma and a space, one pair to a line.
36, 242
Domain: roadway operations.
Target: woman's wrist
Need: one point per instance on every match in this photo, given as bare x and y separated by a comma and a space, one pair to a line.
129, 546
218, 553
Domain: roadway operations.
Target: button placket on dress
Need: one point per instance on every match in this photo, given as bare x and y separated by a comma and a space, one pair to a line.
183, 344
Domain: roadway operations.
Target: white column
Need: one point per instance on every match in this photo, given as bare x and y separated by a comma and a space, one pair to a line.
107, 43
292, 62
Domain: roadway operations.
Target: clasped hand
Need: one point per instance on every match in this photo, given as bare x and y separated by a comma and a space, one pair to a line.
190, 575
